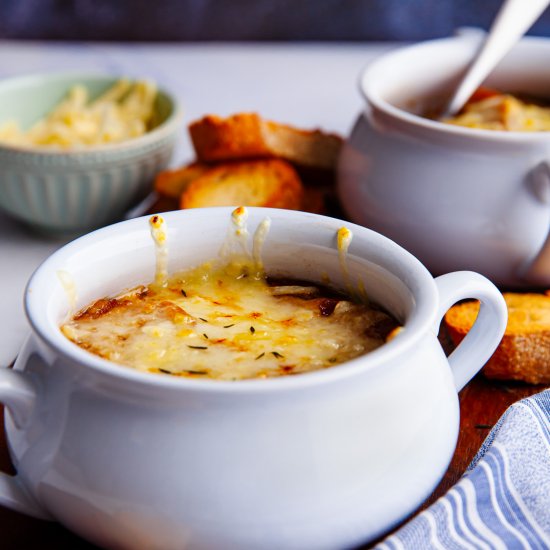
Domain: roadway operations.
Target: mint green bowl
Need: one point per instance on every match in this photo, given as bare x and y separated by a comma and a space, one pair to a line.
74, 191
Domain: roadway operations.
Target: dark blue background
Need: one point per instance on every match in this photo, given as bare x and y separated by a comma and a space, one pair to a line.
175, 20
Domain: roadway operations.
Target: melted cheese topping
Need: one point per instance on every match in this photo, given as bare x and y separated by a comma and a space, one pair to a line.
223, 320
210, 322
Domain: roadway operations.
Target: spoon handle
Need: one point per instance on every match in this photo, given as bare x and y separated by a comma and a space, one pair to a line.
514, 18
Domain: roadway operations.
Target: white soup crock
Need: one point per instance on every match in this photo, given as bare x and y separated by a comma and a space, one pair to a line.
457, 198
324, 460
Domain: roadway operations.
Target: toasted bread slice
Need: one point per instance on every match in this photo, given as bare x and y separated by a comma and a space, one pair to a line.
272, 183
524, 352
247, 136
171, 183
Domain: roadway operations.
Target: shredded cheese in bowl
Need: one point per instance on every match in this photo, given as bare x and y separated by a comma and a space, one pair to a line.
121, 113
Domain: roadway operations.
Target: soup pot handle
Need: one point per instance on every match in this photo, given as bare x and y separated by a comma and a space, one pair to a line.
537, 271
483, 338
18, 394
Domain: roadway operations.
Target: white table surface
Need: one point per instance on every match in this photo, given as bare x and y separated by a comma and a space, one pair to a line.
308, 85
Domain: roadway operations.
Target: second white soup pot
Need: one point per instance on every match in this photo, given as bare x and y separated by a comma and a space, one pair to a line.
456, 197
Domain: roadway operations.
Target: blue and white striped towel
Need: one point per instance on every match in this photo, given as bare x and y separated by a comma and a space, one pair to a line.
503, 499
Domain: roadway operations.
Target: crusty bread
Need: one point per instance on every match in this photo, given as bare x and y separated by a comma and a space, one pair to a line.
271, 183
247, 136
524, 352
300, 174
172, 183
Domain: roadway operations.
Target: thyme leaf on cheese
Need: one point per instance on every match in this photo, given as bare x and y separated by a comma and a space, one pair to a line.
197, 347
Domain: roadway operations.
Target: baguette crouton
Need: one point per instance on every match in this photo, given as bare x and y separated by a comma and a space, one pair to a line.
271, 183
248, 136
524, 352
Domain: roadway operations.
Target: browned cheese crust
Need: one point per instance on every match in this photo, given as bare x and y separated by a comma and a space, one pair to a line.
228, 328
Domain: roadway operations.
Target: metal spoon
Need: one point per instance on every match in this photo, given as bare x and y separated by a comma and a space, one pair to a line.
512, 21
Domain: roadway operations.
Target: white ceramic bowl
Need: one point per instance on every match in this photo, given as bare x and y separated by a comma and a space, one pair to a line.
457, 198
328, 459
71, 191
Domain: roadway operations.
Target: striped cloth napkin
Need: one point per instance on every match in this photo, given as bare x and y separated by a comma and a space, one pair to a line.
503, 499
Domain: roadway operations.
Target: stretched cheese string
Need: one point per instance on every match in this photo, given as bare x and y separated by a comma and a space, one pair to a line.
258, 242
235, 252
344, 238
234, 249
158, 232
239, 217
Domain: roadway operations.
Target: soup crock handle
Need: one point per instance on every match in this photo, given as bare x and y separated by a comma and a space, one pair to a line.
18, 394
483, 338
537, 270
